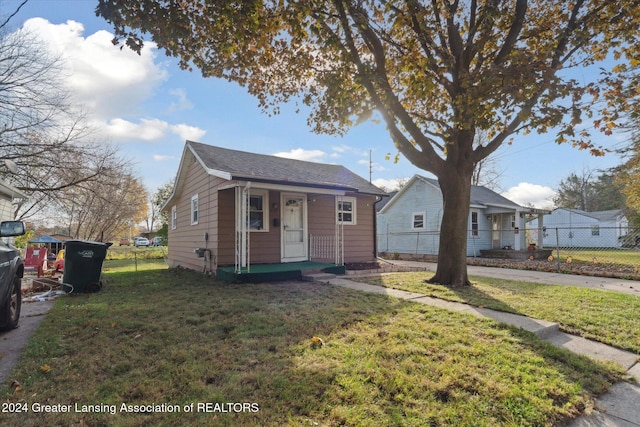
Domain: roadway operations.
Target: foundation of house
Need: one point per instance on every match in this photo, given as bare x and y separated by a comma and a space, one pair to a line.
514, 254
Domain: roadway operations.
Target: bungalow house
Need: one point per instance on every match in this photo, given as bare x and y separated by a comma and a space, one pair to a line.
576, 228
409, 223
234, 213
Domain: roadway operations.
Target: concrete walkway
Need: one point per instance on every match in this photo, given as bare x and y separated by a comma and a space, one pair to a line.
619, 407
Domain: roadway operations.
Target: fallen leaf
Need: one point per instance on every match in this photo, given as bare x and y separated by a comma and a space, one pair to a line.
16, 385
45, 368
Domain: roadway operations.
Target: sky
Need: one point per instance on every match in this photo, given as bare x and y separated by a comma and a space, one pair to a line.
148, 107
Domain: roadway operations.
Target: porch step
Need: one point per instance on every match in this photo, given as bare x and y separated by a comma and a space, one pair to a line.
317, 277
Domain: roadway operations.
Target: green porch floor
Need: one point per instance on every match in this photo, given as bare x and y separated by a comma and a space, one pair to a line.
273, 272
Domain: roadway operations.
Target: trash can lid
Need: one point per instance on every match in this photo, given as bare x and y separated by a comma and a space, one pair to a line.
88, 242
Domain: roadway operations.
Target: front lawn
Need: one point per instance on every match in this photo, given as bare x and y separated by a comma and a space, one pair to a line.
236, 355
608, 317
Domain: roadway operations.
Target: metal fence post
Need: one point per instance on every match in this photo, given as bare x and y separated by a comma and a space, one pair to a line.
557, 250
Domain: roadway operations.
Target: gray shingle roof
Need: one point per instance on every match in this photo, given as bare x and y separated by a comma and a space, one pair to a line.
610, 215
482, 195
243, 165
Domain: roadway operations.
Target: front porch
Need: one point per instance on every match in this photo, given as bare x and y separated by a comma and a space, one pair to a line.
276, 272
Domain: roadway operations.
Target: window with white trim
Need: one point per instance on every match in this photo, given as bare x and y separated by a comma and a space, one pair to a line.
259, 210
418, 220
174, 218
595, 230
194, 209
474, 224
347, 211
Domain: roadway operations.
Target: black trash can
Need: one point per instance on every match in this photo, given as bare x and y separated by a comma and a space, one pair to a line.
83, 265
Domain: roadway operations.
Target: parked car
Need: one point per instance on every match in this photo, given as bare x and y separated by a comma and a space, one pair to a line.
11, 269
157, 241
140, 241
125, 242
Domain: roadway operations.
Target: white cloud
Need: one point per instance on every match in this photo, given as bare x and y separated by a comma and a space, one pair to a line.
185, 132
181, 102
110, 83
388, 184
106, 79
161, 158
525, 193
146, 130
302, 154
338, 150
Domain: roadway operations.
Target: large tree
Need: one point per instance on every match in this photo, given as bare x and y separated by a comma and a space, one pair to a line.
436, 71
41, 129
590, 192
103, 210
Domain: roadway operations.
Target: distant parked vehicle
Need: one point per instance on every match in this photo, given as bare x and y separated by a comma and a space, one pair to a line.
125, 242
140, 241
157, 241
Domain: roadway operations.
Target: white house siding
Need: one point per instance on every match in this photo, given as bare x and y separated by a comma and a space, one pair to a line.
396, 235
567, 228
6, 209
395, 232
483, 239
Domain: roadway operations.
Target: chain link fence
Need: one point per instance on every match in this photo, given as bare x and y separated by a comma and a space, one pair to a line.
609, 247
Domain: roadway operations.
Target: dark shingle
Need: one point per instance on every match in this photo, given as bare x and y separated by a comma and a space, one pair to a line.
243, 165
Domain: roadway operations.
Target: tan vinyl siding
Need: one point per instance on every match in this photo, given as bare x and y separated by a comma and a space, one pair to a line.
358, 239
217, 218
187, 237
265, 246
227, 227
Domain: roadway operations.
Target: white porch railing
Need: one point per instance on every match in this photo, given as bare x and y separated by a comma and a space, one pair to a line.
325, 248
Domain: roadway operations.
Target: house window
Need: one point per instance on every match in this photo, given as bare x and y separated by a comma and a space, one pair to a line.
595, 230
513, 221
418, 220
174, 218
474, 223
347, 210
194, 209
258, 212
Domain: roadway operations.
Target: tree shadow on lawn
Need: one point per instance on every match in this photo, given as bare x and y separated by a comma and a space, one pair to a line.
177, 337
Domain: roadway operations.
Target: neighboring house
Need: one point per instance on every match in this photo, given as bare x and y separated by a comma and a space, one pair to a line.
7, 194
576, 228
409, 223
244, 209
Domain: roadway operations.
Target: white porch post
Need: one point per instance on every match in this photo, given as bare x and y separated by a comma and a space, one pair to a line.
540, 230
339, 234
521, 231
242, 228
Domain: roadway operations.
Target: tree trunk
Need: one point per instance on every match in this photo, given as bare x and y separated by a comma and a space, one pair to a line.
455, 185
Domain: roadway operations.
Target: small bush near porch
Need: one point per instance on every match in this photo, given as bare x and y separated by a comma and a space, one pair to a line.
177, 338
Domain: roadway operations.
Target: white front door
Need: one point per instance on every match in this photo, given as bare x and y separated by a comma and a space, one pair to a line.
294, 227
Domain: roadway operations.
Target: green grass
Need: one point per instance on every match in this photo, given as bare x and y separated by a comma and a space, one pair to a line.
133, 253
125, 265
178, 338
609, 317
629, 257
